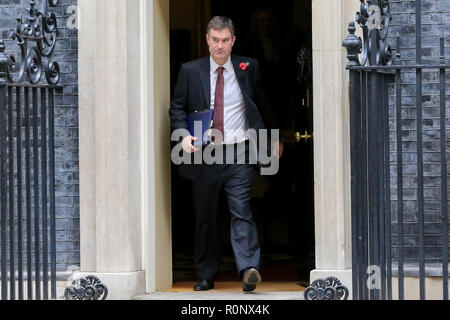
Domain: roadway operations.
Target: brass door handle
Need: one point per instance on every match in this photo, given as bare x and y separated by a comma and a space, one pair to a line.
299, 137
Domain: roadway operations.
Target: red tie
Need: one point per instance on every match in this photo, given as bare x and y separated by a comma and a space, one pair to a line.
218, 102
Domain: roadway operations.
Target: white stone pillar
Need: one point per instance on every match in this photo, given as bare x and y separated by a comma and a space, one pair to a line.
332, 139
155, 93
110, 155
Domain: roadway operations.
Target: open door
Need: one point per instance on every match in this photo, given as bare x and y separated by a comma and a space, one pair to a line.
279, 35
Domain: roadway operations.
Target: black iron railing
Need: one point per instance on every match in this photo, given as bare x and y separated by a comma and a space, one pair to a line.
27, 158
27, 191
373, 227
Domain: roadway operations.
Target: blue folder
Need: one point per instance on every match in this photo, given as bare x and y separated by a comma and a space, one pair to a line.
204, 119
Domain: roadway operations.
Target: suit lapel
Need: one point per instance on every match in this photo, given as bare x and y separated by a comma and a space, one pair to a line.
240, 74
205, 79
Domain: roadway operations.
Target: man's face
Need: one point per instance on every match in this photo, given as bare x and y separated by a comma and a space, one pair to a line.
220, 44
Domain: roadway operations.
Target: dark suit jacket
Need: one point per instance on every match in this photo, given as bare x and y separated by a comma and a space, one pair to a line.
193, 93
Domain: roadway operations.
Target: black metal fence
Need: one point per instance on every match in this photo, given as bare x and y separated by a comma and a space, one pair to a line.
374, 81
27, 158
27, 191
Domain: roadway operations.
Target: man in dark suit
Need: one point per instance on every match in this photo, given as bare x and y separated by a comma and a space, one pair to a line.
231, 86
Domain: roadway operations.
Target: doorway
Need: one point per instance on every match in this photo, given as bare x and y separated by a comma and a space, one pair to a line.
279, 35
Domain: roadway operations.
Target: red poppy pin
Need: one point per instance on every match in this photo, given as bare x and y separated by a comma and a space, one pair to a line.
244, 65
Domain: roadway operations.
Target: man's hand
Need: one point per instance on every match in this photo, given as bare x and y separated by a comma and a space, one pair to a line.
187, 144
278, 149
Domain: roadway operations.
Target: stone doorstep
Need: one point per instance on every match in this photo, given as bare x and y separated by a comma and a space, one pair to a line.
187, 296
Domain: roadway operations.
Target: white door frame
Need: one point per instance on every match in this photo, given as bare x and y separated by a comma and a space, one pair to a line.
155, 102
331, 146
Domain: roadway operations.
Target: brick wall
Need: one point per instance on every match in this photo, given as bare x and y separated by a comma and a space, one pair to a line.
436, 23
66, 124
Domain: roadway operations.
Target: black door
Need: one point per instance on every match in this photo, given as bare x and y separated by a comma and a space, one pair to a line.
279, 36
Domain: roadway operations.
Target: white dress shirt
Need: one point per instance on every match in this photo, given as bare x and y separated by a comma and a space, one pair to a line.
234, 105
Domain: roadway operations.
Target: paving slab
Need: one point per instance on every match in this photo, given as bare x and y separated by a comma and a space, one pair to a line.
296, 295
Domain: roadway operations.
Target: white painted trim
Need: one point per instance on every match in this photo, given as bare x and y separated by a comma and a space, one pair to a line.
148, 144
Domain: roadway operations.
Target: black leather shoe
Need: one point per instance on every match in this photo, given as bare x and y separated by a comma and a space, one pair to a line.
204, 285
248, 287
250, 279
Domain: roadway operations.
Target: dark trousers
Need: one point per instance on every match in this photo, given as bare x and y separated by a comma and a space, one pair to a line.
237, 182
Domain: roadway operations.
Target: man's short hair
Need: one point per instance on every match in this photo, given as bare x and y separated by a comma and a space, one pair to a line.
220, 23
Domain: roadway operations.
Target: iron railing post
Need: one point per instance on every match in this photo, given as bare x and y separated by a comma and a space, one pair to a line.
19, 192
353, 44
51, 155
3, 171
444, 197
355, 133
419, 109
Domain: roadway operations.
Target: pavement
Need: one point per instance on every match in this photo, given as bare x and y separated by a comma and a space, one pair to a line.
294, 295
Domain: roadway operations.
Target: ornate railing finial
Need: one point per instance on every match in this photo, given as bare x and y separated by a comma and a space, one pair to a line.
374, 19
353, 44
39, 27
